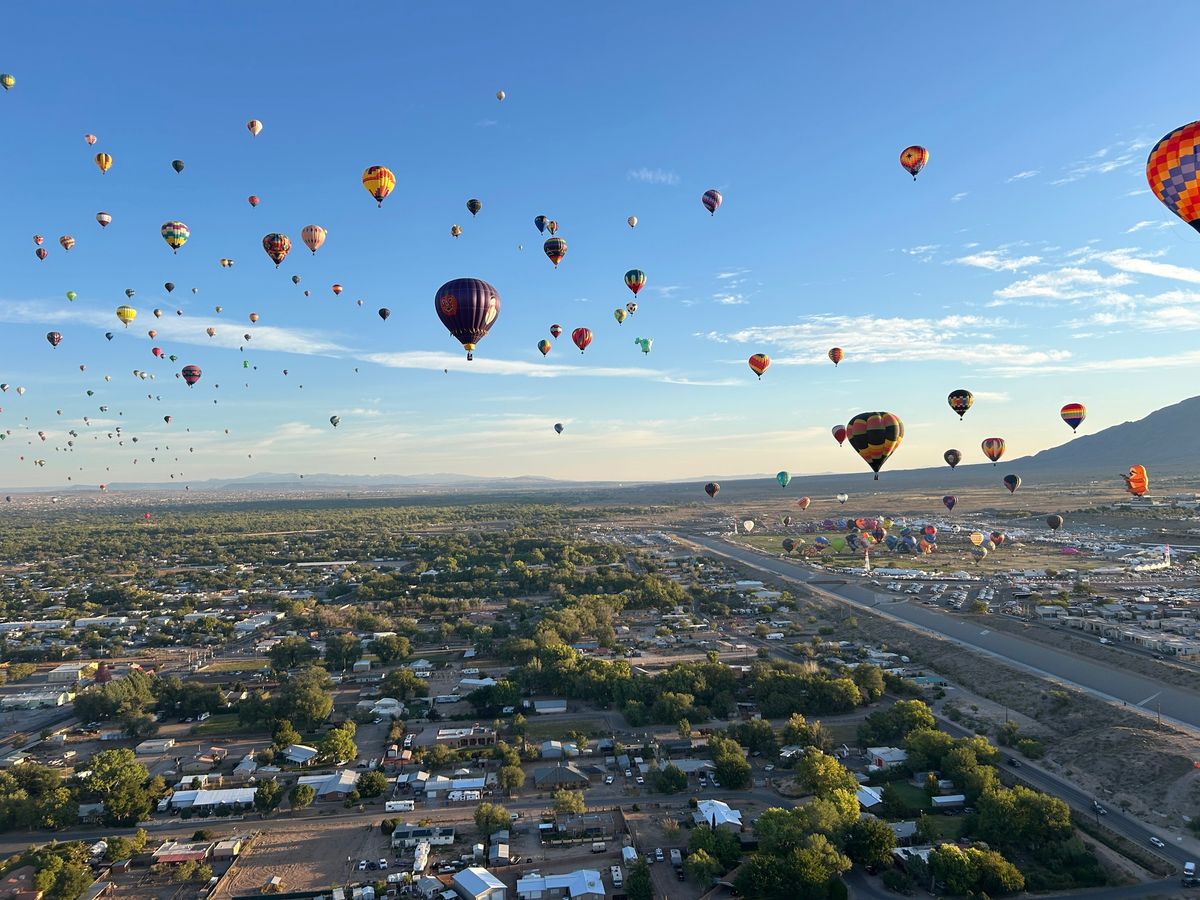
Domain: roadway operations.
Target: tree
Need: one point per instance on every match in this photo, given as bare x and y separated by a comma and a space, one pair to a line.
284, 734
372, 784
638, 883
869, 842
337, 745
291, 652
491, 817
342, 651
671, 779
567, 801
821, 775
390, 647
119, 780
800, 732
702, 868
684, 727
267, 796
302, 796
404, 684
895, 723
510, 778
722, 845
306, 697
869, 680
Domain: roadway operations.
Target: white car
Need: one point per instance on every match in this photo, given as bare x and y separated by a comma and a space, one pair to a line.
641, 780
608, 779
628, 773
1157, 842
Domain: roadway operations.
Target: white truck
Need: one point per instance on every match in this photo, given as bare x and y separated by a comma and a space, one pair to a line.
775, 636
1189, 874
617, 878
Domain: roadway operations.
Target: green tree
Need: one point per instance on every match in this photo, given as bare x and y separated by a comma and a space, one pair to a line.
684, 727
284, 734
801, 733
638, 883
302, 796
119, 780
306, 697
390, 647
729, 763
510, 778
722, 845
869, 680
337, 745
821, 775
869, 842
702, 868
404, 684
671, 779
342, 651
566, 801
267, 796
372, 784
491, 817
290, 652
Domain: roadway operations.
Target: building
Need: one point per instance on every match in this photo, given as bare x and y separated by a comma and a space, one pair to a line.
246, 767
948, 801
70, 673
457, 738
718, 814
333, 786
154, 746
300, 754
203, 798
37, 700
886, 757
582, 884
477, 883
560, 777
559, 750
904, 831
869, 797
102, 622
549, 707
174, 852
227, 849
407, 837
18, 885
592, 826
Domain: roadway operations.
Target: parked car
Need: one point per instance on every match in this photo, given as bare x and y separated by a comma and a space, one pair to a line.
383, 864
608, 779
1015, 763
362, 865
658, 854
641, 780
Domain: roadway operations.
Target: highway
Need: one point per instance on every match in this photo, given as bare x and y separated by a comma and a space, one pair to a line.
1176, 705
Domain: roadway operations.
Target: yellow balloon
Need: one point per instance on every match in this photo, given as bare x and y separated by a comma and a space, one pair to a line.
976, 538
104, 161
126, 314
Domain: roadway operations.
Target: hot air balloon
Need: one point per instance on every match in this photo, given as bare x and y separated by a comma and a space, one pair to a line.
104, 219
552, 227
540, 223
631, 307
914, 159
245, 337
1137, 482
253, 200
836, 355
842, 498
555, 331
167, 419
108, 335
175, 234
152, 334
277, 246
1012, 482
157, 351
126, 314
839, 433
544, 346
379, 181
979, 553
7, 81
337, 290
1172, 170
468, 307
218, 309
71, 295
333, 420
582, 338
632, 220
952, 457
169, 286
950, 501
644, 343
191, 374
41, 253
558, 427
635, 280
474, 206
38, 239
788, 545
254, 127
620, 314
500, 95
210, 331
556, 249
960, 401
712, 200
1073, 414
875, 435
993, 448
103, 162
66, 241
455, 231
313, 237
712, 488
748, 525
227, 263
384, 312
783, 478
90, 139
54, 337
129, 292
254, 317
759, 363
177, 165
1055, 522
804, 502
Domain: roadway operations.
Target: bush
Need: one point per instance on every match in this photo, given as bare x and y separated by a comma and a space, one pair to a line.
1031, 748
897, 881
202, 834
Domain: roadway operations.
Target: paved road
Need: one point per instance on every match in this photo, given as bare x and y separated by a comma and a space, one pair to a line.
1176, 704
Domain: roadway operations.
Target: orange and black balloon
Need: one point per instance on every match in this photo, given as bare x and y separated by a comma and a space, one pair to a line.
876, 436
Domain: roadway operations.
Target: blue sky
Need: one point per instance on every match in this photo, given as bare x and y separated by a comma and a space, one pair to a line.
1029, 262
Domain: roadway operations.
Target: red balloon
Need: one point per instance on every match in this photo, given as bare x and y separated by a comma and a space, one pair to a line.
582, 338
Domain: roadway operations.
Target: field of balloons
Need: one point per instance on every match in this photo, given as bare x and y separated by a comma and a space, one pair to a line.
467, 307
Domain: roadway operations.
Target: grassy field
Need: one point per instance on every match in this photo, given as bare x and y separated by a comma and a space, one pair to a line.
946, 828
224, 723
253, 664
554, 730
913, 796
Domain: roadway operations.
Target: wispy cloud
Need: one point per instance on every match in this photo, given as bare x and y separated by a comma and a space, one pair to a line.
1107, 159
997, 261
1021, 176
486, 123
653, 176
1140, 225
1186, 359
959, 196
1068, 283
736, 273
992, 396
484, 365
1141, 266
923, 252
730, 299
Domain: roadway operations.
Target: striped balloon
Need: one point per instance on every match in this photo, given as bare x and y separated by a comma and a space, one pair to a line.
1073, 414
993, 448
635, 280
175, 234
712, 200
379, 181
876, 436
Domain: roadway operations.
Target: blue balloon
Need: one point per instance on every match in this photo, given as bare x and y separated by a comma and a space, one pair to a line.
540, 222
109, 335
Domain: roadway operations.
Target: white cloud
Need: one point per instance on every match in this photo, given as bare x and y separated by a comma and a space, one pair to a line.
992, 396
924, 252
486, 123
1120, 260
1064, 284
1021, 176
484, 365
363, 413
653, 176
1105, 160
1140, 225
734, 274
730, 299
997, 261
1186, 359
959, 196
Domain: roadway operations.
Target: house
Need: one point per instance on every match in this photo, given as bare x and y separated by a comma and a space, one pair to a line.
227, 849
582, 884
246, 767
477, 883
718, 814
407, 837
154, 746
498, 853
173, 852
91, 813
904, 831
558, 750
869, 797
556, 777
886, 757
457, 738
473, 684
361, 667
18, 885
203, 799
70, 673
429, 887
300, 754
332, 786
949, 801
594, 825
549, 707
